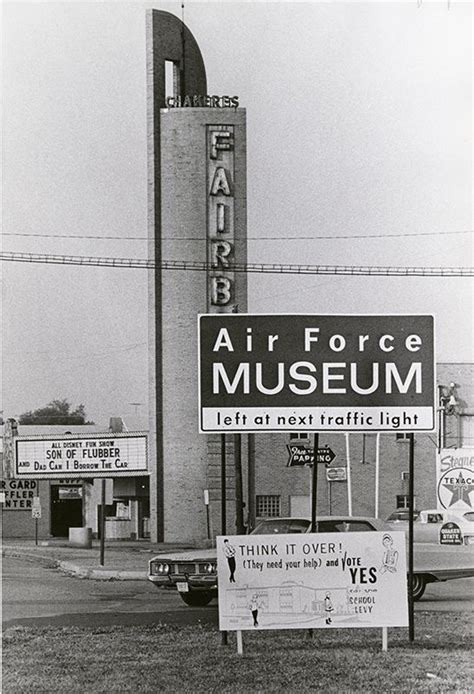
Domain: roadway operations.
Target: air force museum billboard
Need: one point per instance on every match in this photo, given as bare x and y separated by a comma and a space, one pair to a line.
300, 372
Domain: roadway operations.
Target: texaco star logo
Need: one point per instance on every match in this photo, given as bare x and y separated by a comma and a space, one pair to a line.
455, 488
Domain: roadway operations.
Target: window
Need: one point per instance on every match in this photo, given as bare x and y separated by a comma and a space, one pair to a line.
402, 437
299, 435
172, 86
402, 501
268, 505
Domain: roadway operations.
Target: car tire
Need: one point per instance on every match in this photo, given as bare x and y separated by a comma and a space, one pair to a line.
418, 586
197, 598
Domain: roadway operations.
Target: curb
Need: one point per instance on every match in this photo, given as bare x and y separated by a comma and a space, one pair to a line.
72, 569
47, 562
101, 574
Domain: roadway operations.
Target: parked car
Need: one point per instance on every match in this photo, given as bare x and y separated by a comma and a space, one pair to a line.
401, 515
428, 523
193, 573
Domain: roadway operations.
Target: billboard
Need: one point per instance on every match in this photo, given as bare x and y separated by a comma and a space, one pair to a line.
103, 455
280, 372
455, 479
320, 580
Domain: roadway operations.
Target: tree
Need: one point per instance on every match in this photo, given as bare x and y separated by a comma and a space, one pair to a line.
56, 412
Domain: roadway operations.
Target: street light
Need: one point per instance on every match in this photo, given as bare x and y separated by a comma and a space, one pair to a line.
447, 406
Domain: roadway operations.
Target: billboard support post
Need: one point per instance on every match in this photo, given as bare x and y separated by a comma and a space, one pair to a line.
223, 486
239, 509
314, 484
251, 482
349, 479
377, 473
411, 487
223, 508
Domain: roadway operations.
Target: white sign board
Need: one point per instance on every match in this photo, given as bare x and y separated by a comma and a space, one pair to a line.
300, 372
310, 581
455, 479
104, 455
19, 495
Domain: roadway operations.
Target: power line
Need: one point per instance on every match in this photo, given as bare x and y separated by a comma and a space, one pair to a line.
248, 238
272, 268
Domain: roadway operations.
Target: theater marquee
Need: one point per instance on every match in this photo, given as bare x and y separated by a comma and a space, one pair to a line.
104, 455
316, 373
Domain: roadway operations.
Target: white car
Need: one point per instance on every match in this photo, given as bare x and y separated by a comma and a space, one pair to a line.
437, 526
193, 573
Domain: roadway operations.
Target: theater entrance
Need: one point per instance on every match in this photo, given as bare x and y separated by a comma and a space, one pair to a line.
66, 509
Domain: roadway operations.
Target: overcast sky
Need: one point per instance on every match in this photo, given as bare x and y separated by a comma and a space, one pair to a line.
359, 123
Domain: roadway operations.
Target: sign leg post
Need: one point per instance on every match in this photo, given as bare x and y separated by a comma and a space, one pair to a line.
384, 638
240, 643
36, 531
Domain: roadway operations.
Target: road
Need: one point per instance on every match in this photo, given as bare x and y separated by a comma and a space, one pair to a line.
34, 595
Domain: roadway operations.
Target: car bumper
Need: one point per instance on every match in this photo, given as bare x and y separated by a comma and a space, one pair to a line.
193, 582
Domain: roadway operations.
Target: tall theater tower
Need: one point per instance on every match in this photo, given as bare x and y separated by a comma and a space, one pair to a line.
196, 214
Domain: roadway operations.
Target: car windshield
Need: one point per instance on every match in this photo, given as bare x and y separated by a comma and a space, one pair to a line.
302, 525
281, 526
402, 515
344, 526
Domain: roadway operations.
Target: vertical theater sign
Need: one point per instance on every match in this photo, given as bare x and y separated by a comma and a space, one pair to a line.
220, 217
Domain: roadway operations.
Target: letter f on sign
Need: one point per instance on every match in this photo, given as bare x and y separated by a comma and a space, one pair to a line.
309, 337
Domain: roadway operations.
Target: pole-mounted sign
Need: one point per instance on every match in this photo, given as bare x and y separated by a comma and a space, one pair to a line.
302, 455
316, 373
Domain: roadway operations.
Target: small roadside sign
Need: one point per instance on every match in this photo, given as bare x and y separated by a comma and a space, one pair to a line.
304, 455
336, 474
312, 581
36, 512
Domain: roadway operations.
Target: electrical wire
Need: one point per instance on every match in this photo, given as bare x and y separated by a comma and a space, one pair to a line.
248, 238
273, 268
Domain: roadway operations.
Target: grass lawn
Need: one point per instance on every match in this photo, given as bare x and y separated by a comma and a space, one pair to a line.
163, 658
